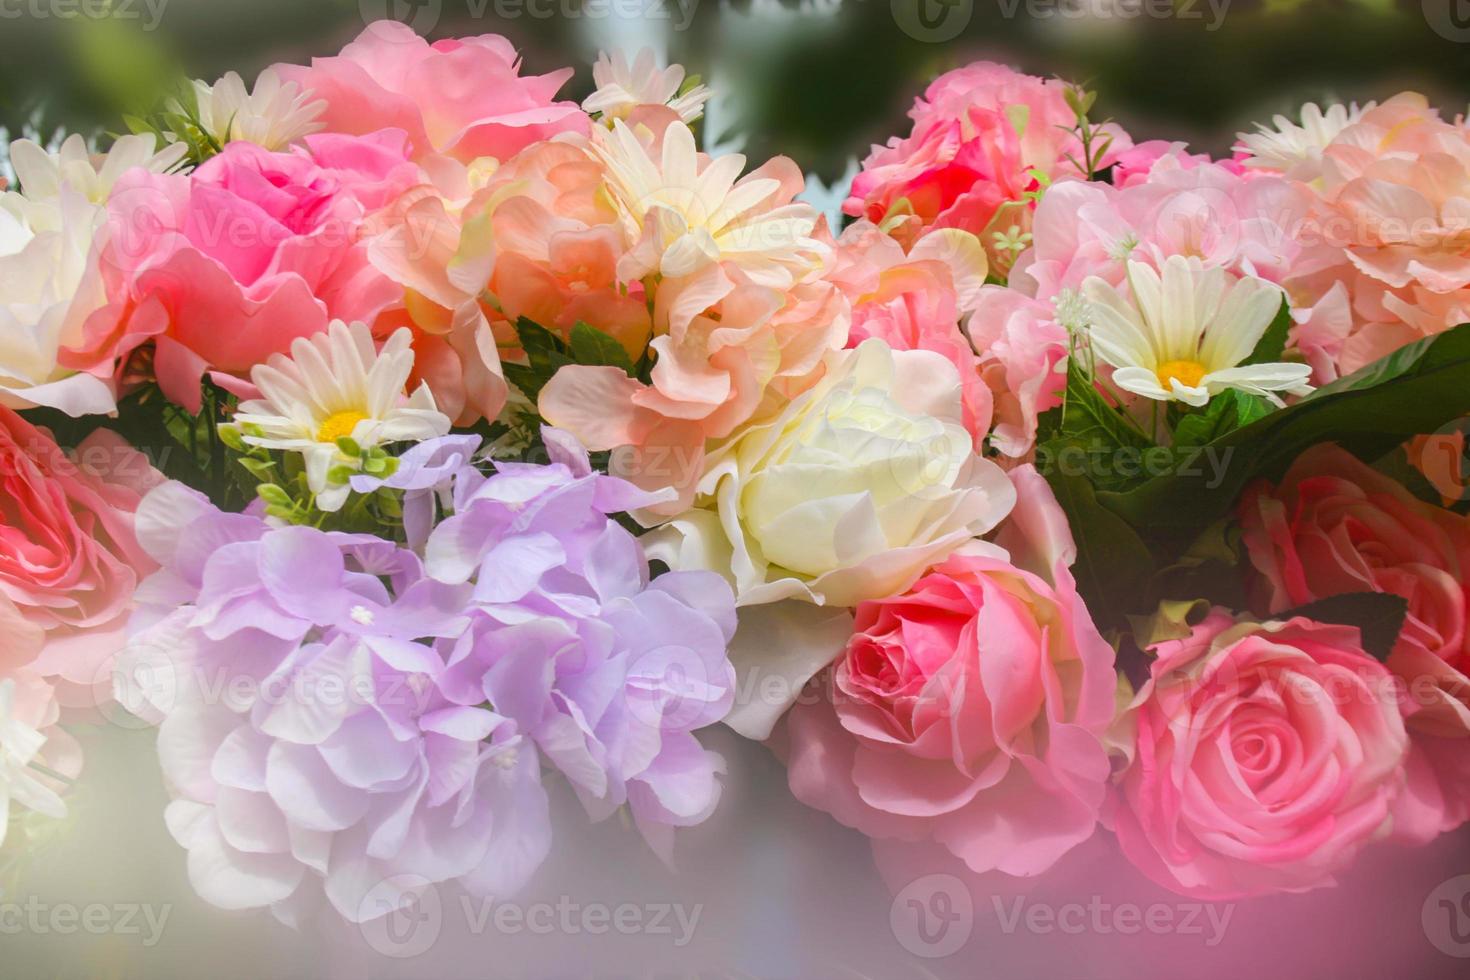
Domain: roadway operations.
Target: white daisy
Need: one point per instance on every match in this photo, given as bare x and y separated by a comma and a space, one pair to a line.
1296, 150
274, 116
20, 748
1182, 335
334, 385
42, 173
623, 87
686, 213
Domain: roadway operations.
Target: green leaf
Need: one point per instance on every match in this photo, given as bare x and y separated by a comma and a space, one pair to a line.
1271, 348
1379, 617
591, 346
1114, 566
1175, 619
1226, 412
1415, 390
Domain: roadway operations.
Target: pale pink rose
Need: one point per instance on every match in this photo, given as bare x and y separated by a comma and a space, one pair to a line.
1203, 210
1336, 526
916, 300
69, 558
1266, 757
1022, 354
1392, 226
970, 710
225, 266
461, 97
980, 135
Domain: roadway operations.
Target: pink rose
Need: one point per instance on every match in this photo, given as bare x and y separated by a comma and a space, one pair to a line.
980, 136
916, 300
69, 559
1336, 526
969, 711
226, 266
1022, 350
463, 97
1266, 757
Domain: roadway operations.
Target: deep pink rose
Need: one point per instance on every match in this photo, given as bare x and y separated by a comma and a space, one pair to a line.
1266, 757
69, 559
1333, 526
226, 266
461, 97
981, 135
969, 711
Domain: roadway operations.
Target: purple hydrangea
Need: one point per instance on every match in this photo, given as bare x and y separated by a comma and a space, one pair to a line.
343, 717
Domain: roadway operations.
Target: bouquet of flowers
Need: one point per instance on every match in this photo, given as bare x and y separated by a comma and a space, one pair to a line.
399, 439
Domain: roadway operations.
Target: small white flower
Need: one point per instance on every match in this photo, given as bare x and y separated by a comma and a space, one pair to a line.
623, 87
43, 173
685, 212
274, 116
20, 747
334, 385
1182, 335
1296, 150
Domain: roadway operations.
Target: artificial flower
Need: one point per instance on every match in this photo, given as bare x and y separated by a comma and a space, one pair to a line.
28, 737
1295, 149
685, 213
274, 115
1335, 526
985, 141
623, 86
1182, 335
460, 97
1266, 757
969, 710
223, 267
338, 385
70, 561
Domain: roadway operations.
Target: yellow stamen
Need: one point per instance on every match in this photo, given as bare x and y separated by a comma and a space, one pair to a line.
1187, 373
339, 426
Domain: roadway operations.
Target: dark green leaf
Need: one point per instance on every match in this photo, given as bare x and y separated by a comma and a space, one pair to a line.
1113, 564
1226, 412
1272, 345
1379, 617
591, 346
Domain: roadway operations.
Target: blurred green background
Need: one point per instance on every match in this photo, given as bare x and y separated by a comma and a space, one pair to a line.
818, 80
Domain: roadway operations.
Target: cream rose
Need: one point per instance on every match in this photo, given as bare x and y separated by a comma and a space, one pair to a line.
847, 493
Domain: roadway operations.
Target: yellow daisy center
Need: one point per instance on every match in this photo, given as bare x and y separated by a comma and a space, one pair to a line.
339, 425
1187, 373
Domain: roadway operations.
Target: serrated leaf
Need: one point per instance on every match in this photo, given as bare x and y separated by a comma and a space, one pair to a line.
1379, 617
591, 346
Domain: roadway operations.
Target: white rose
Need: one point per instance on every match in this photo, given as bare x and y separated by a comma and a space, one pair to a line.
850, 492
